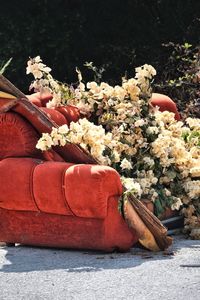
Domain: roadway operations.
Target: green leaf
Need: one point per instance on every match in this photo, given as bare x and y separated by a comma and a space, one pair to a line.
158, 208
2, 70
171, 174
187, 46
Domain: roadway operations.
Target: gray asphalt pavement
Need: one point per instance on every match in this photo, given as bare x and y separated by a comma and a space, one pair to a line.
38, 273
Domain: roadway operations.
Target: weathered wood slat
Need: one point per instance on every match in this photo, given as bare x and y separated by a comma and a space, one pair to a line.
155, 226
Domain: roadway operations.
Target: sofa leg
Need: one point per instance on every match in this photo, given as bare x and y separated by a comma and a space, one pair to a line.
10, 244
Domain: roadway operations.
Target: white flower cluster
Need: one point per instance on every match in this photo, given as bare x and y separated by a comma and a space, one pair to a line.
144, 76
178, 146
57, 137
195, 171
132, 186
44, 82
37, 68
170, 147
125, 164
146, 179
193, 188
177, 204
105, 98
193, 123
90, 137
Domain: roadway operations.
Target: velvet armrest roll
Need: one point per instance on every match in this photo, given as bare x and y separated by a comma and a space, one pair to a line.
88, 188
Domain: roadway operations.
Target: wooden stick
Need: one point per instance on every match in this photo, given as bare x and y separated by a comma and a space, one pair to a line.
8, 87
134, 221
152, 222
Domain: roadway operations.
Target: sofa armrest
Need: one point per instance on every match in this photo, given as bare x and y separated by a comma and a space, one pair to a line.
18, 138
88, 188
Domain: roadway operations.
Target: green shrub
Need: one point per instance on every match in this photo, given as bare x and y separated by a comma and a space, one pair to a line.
180, 78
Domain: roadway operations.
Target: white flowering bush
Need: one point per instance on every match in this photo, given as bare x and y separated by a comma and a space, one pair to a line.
157, 157
44, 82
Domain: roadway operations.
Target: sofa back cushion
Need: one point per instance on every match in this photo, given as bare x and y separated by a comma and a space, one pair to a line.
17, 137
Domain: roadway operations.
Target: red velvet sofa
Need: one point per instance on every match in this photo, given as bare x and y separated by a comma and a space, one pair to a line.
45, 201
55, 203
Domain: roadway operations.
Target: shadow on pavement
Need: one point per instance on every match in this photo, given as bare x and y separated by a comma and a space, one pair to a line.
28, 259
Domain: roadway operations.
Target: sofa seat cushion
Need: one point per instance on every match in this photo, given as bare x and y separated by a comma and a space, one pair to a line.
18, 137
57, 187
48, 187
29, 184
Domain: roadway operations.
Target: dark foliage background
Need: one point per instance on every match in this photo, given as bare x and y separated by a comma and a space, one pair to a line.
116, 34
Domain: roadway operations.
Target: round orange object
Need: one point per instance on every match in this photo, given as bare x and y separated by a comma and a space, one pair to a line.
165, 104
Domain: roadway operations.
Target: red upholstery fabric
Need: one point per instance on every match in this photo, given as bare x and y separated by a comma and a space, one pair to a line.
40, 99
35, 101
88, 187
69, 152
51, 155
165, 104
50, 230
55, 115
70, 112
58, 188
32, 118
17, 137
34, 206
116, 228
49, 188
16, 188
